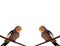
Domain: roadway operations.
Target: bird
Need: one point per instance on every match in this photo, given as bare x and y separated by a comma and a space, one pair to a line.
47, 35
12, 35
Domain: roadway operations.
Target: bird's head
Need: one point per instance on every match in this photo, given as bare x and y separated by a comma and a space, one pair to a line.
18, 28
41, 28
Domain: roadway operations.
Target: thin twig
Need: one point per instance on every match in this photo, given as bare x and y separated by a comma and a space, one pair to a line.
12, 41
47, 41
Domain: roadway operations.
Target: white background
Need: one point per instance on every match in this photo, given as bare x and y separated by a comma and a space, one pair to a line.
29, 14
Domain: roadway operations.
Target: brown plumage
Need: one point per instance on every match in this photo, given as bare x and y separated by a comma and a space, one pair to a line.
13, 35
47, 35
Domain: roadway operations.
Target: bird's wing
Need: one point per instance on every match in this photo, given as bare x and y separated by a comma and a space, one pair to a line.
9, 34
51, 34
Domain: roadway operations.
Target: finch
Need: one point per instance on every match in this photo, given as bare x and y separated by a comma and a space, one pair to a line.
47, 35
12, 35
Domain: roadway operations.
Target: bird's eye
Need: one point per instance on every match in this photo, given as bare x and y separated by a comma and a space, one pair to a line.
18, 29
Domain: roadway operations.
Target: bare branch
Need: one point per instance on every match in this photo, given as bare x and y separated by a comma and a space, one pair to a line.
47, 41
12, 41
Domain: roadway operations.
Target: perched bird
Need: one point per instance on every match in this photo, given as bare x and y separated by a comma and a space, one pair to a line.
12, 35
47, 35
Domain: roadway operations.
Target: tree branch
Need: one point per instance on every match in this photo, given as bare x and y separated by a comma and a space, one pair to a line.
12, 41
47, 41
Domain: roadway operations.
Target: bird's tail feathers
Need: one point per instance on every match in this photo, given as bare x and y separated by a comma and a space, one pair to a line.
4, 44
56, 44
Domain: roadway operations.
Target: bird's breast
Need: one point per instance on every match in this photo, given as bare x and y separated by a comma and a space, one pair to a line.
46, 36
14, 36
